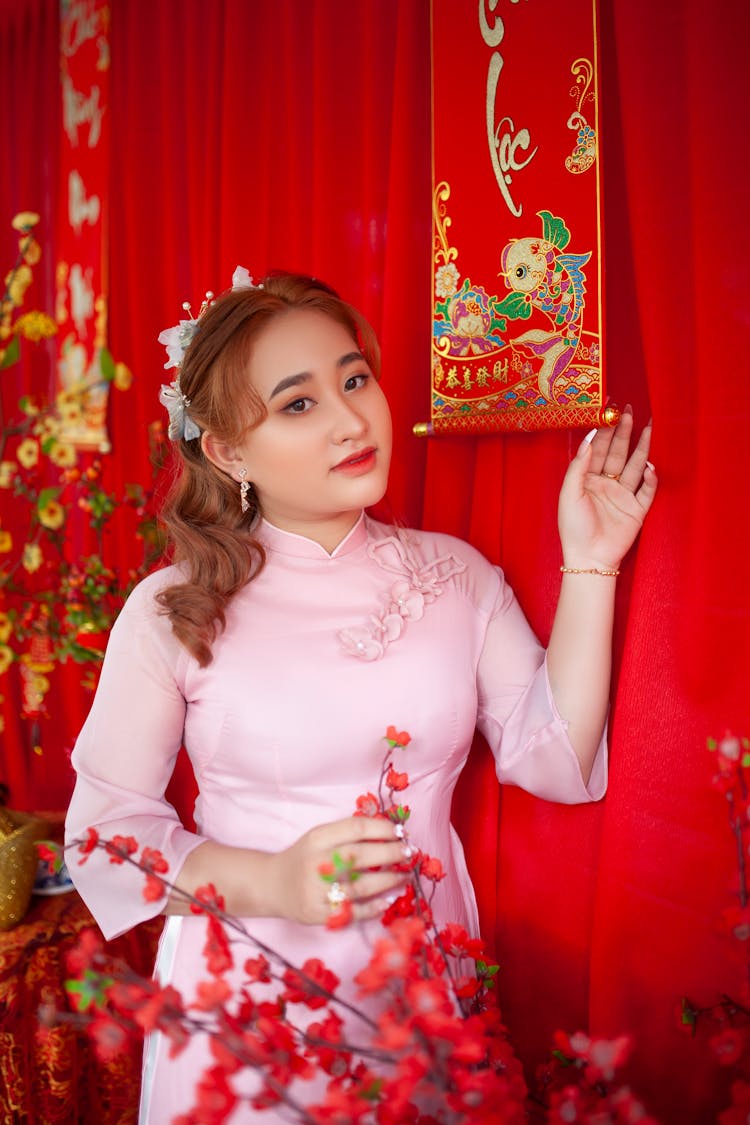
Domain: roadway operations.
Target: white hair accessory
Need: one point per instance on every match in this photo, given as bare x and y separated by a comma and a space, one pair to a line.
176, 340
181, 425
241, 279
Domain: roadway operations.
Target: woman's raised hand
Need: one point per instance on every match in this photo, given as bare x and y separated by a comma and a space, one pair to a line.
367, 849
605, 496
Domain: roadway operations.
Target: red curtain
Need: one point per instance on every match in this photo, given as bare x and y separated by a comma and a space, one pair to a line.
296, 134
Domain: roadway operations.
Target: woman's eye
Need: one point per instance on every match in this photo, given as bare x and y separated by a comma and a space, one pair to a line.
355, 381
299, 406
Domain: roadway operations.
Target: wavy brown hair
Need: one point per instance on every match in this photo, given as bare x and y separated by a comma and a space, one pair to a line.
209, 536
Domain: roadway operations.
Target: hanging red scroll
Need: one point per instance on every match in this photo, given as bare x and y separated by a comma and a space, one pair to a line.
517, 329
85, 366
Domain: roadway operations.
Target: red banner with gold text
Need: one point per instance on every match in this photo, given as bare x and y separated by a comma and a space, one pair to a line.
84, 363
517, 323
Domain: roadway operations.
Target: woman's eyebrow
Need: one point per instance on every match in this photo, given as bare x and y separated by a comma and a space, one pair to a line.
305, 376
290, 381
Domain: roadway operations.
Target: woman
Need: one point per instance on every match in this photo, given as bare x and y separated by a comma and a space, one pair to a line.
292, 629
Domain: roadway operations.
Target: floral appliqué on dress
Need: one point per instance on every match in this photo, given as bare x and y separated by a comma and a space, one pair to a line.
417, 586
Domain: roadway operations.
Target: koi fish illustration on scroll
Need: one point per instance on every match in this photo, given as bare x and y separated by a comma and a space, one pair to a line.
542, 277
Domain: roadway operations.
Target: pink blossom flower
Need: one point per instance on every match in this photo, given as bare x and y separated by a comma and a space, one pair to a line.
360, 642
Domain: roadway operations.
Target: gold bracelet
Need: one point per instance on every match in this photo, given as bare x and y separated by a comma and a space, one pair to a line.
604, 573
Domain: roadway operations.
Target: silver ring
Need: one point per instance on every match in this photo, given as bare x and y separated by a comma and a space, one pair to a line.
335, 895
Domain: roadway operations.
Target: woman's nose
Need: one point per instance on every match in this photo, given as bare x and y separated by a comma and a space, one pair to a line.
349, 422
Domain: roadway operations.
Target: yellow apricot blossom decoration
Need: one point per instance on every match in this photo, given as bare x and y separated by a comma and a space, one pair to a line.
28, 453
51, 515
24, 221
5, 627
6, 658
32, 557
16, 284
6, 541
123, 377
69, 406
7, 472
63, 454
35, 326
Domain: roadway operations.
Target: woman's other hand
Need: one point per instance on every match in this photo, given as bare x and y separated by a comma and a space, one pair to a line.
605, 496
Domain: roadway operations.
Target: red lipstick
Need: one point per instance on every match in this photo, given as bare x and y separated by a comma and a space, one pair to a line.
358, 463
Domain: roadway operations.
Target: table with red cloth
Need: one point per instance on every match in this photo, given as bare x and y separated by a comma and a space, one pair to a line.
52, 1074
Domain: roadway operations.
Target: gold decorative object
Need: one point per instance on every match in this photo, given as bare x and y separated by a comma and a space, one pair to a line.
18, 863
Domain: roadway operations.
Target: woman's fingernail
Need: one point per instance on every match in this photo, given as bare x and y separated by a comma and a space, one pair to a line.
587, 441
651, 467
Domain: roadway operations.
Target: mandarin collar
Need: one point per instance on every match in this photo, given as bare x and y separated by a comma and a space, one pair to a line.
299, 546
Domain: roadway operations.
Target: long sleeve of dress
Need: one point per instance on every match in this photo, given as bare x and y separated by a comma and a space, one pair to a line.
124, 758
517, 713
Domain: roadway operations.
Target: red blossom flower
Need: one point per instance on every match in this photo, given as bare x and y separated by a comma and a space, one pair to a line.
467, 987
283, 1058
211, 994
427, 1001
217, 951
394, 1034
484, 1096
230, 1050
207, 896
367, 805
87, 846
601, 1057
153, 861
396, 1105
322, 1040
728, 1045
406, 906
258, 969
629, 1109
456, 940
110, 1038
431, 868
49, 855
120, 847
471, 1046
434, 962
397, 738
340, 917
302, 987
152, 1007
215, 1098
395, 780
398, 814
341, 1106
86, 951
567, 1106
153, 889
392, 955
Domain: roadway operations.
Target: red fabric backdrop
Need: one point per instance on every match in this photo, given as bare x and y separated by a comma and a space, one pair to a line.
296, 134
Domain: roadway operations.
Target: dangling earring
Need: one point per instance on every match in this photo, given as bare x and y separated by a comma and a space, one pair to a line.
244, 489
